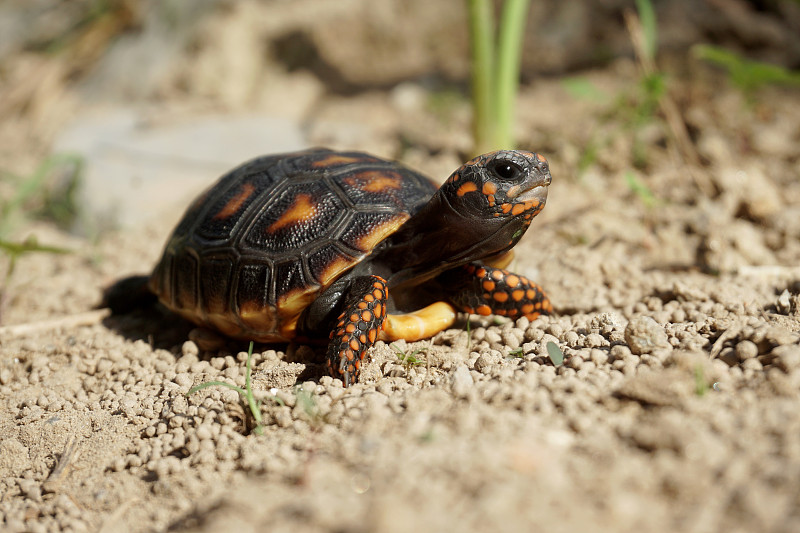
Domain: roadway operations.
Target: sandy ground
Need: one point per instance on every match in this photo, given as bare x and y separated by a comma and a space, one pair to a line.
676, 408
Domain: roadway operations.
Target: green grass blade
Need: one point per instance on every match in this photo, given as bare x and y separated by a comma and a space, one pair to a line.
215, 383
647, 16
481, 29
509, 53
255, 409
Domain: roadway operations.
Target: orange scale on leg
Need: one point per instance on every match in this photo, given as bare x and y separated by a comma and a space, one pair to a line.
500, 296
484, 310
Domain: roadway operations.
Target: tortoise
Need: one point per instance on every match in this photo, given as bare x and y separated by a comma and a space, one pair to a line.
349, 248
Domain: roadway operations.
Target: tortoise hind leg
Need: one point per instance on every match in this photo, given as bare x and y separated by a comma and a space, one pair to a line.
485, 290
357, 327
128, 294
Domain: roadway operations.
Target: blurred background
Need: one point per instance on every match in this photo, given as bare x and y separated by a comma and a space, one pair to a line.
174, 92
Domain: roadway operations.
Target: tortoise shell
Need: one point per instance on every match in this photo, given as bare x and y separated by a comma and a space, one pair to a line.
253, 251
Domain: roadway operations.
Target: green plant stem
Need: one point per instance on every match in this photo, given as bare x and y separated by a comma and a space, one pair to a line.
481, 27
509, 53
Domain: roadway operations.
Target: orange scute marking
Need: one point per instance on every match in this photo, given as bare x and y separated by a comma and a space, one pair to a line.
468, 186
506, 208
235, 203
512, 280
379, 232
372, 335
517, 209
497, 274
332, 271
335, 159
350, 328
374, 180
527, 308
489, 188
378, 310
500, 296
517, 295
489, 285
484, 310
366, 316
354, 344
301, 210
362, 305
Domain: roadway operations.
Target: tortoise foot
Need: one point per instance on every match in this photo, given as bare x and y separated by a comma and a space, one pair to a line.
357, 328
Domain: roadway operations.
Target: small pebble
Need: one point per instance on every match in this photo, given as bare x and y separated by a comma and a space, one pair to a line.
644, 335
461, 381
746, 350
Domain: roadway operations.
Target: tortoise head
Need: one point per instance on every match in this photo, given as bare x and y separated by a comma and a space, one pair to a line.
505, 184
496, 195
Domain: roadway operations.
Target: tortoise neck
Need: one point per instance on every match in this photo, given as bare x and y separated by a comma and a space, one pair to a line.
438, 238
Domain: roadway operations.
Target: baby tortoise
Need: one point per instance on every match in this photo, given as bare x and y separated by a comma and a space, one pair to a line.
350, 247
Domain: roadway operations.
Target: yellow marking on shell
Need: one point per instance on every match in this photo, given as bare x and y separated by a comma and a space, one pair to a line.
468, 186
257, 317
376, 234
420, 324
303, 208
292, 303
235, 203
332, 271
374, 180
289, 327
335, 159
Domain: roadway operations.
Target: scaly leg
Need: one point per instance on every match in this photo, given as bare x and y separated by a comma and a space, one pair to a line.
486, 290
357, 328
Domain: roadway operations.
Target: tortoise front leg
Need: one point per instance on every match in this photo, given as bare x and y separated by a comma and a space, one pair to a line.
485, 290
357, 327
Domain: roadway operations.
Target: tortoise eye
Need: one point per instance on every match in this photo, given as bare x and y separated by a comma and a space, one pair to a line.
505, 170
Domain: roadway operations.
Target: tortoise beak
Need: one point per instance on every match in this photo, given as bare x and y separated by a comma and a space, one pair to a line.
533, 189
